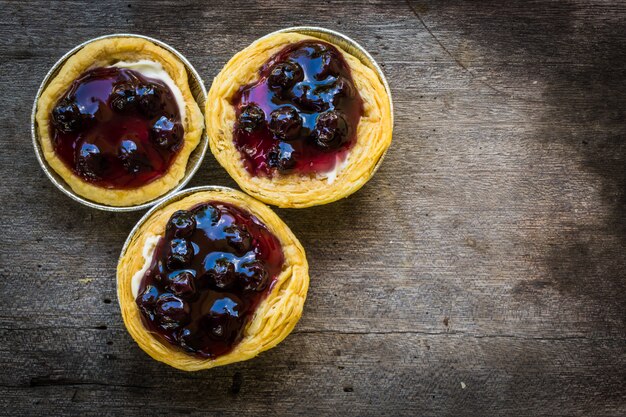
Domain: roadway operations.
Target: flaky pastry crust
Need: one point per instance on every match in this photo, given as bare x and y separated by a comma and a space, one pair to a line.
275, 316
105, 52
295, 190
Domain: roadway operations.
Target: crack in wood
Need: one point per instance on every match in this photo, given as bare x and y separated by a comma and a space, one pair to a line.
459, 334
460, 64
46, 381
42, 329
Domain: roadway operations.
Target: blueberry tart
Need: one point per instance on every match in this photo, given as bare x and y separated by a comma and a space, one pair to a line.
297, 121
118, 122
209, 278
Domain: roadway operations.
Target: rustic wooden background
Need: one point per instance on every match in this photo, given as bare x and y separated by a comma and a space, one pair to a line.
480, 272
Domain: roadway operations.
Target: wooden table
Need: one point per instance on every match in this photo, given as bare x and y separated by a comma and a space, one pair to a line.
480, 272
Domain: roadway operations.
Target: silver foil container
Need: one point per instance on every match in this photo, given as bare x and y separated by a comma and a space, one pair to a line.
353, 48
198, 91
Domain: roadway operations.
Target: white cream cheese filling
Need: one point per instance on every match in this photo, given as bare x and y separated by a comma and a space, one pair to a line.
152, 69
332, 175
147, 253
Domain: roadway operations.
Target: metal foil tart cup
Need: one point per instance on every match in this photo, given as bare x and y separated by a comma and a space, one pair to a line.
353, 48
196, 85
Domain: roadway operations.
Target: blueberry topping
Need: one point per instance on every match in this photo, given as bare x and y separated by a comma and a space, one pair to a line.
146, 300
181, 224
123, 97
209, 272
66, 116
331, 130
251, 118
89, 162
285, 75
181, 252
331, 94
285, 123
342, 88
311, 98
166, 133
282, 157
185, 338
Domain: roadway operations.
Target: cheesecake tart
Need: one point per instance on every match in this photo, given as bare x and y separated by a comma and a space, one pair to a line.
297, 121
118, 121
210, 277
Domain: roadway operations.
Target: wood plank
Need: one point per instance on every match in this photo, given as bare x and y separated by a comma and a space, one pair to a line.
488, 249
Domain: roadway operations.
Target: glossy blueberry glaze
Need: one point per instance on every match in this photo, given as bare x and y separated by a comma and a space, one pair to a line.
302, 113
116, 128
207, 276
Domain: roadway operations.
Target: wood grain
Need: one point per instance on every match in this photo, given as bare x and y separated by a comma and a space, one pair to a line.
480, 272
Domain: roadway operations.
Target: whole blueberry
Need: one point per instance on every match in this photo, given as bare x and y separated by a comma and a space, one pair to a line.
286, 123
181, 283
207, 215
146, 300
132, 159
123, 97
222, 316
180, 253
171, 310
251, 118
282, 157
66, 116
331, 130
284, 75
166, 133
220, 272
238, 238
148, 98
181, 224
89, 161
148, 296
252, 276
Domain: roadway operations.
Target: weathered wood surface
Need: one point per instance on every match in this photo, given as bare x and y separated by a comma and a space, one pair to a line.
481, 271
